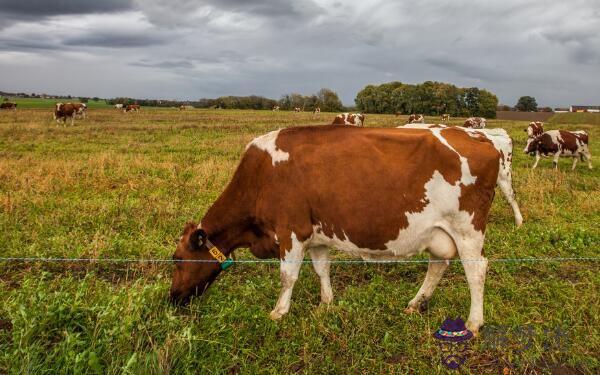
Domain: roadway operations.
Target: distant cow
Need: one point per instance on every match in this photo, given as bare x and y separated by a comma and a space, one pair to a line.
297, 109
182, 108
8, 105
355, 119
317, 110
375, 193
557, 143
63, 111
80, 109
445, 117
275, 108
131, 108
475, 123
414, 118
119, 106
535, 129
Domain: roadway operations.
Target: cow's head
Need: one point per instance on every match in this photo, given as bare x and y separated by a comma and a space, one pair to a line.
192, 278
532, 145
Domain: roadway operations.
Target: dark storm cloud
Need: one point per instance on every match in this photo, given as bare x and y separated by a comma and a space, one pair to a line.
28, 9
169, 64
114, 40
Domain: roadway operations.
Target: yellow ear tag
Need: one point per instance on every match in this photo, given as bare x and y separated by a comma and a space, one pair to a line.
221, 258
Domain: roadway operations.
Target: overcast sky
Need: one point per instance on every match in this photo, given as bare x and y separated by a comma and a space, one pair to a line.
191, 49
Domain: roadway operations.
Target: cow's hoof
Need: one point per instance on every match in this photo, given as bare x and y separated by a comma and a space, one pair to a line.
326, 299
473, 327
275, 315
411, 310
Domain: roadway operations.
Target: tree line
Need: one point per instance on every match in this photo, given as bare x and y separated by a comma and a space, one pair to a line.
428, 98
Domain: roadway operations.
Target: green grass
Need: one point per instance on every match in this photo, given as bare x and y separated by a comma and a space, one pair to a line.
49, 103
576, 118
123, 185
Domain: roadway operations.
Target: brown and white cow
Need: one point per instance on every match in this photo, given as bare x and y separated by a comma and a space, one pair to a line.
355, 189
445, 117
8, 105
415, 118
557, 143
317, 110
182, 108
504, 145
355, 119
80, 110
131, 108
275, 108
297, 109
535, 129
475, 123
119, 106
63, 111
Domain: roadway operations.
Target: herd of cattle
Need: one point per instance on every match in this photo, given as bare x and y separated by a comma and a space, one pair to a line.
552, 143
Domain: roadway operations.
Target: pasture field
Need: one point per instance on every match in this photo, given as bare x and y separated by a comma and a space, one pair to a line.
31, 103
122, 186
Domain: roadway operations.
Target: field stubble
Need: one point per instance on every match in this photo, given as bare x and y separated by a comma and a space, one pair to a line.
122, 186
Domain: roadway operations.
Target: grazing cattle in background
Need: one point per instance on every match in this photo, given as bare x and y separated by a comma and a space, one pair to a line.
182, 108
80, 110
355, 119
475, 123
445, 117
358, 190
276, 108
297, 109
535, 129
8, 105
504, 145
131, 108
557, 143
63, 111
119, 106
317, 110
414, 118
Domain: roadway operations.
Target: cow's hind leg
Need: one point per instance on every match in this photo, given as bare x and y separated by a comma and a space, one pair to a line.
321, 264
475, 265
537, 160
290, 268
505, 184
441, 248
574, 163
588, 157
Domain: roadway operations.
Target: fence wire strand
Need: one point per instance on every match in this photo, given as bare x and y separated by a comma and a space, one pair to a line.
277, 261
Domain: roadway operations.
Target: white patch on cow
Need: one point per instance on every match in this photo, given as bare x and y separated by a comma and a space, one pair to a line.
466, 177
555, 136
267, 143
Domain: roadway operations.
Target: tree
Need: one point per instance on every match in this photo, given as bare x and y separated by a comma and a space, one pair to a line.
526, 104
329, 101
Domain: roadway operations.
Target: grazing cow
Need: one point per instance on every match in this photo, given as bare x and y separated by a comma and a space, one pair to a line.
475, 123
8, 105
119, 106
182, 108
62, 111
317, 110
504, 145
413, 119
275, 108
445, 117
355, 119
557, 143
80, 109
297, 109
356, 189
535, 129
131, 108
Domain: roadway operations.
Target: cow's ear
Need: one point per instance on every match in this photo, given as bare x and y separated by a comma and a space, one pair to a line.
197, 239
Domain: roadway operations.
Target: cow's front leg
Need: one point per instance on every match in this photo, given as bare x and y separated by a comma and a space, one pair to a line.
555, 159
537, 159
322, 264
289, 269
574, 163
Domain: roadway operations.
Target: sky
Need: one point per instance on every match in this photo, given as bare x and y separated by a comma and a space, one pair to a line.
184, 49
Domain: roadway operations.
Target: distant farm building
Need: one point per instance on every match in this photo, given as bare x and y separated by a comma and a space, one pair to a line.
561, 110
585, 108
